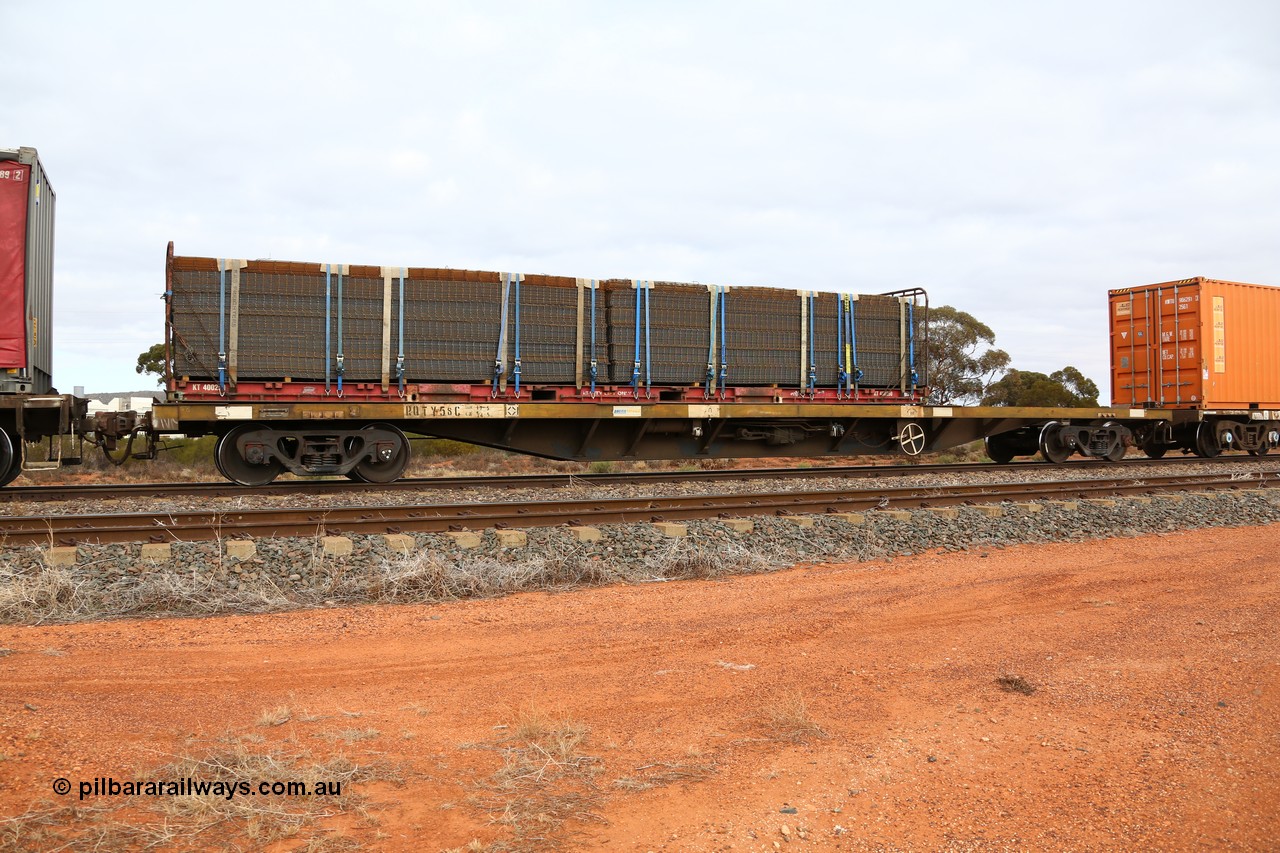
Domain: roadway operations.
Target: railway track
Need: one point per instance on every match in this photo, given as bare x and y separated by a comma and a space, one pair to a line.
518, 481
206, 525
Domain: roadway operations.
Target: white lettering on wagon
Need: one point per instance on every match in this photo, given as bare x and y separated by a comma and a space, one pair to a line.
459, 410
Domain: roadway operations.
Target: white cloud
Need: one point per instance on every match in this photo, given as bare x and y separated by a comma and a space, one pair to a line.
1016, 159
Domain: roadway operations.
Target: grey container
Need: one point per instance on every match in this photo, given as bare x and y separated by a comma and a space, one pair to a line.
37, 376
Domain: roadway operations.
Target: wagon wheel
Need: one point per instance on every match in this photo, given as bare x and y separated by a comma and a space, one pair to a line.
236, 468
1207, 441
387, 465
1050, 448
1116, 453
911, 438
999, 449
10, 459
1154, 451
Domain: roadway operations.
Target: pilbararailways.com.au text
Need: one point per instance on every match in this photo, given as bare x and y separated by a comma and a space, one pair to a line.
108, 787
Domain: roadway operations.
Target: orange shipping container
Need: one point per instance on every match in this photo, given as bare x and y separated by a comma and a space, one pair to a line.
1196, 343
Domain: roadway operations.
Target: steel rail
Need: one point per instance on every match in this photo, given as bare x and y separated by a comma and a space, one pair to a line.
213, 524
112, 491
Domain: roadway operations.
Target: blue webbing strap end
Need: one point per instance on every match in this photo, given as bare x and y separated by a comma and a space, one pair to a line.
340, 368
813, 347
400, 348
515, 372
724, 343
842, 376
648, 364
856, 377
222, 327
635, 366
911, 344
328, 290
593, 372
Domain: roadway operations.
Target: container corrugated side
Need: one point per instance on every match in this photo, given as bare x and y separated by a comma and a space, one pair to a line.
1196, 343
38, 257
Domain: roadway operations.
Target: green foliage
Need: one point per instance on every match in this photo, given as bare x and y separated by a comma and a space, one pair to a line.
152, 362
1067, 387
963, 360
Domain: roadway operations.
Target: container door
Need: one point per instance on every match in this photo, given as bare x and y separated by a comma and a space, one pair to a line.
1177, 321
15, 179
1133, 358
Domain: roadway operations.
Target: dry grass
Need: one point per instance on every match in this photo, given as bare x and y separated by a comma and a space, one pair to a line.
43, 594
1015, 684
546, 781
212, 820
546, 784
693, 768
788, 718
272, 717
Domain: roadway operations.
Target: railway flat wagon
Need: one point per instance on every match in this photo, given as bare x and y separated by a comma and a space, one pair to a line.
1206, 349
321, 368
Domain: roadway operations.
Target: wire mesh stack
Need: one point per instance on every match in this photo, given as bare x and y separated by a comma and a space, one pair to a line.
273, 321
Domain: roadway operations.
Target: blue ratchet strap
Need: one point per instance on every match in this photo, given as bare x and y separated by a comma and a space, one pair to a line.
813, 347
648, 376
593, 337
328, 277
400, 352
842, 375
724, 343
341, 369
911, 343
635, 366
516, 371
222, 327
502, 333
711, 342
855, 374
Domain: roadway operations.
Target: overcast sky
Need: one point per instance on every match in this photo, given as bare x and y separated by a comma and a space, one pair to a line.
1016, 159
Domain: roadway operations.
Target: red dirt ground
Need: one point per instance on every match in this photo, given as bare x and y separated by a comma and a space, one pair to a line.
1155, 722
